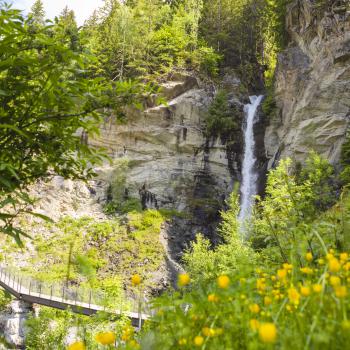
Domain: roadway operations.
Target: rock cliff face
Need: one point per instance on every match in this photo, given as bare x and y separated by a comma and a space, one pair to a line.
168, 162
12, 323
312, 84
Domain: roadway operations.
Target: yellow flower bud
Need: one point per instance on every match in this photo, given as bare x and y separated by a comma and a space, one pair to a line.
198, 340
77, 346
267, 300
309, 256
306, 270
321, 261
282, 273
334, 281
334, 265
317, 288
340, 291
254, 308
293, 295
213, 298
106, 338
267, 332
183, 280
182, 341
305, 291
136, 280
223, 281
254, 324
344, 257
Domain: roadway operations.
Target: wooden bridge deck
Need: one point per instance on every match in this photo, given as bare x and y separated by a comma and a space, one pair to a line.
12, 284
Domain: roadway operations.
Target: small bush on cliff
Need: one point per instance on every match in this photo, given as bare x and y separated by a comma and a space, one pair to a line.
203, 262
220, 119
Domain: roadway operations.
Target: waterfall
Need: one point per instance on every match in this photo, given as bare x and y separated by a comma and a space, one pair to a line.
249, 176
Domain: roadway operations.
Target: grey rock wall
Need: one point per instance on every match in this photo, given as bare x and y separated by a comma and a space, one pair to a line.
312, 84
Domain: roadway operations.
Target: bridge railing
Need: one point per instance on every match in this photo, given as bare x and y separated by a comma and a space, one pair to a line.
68, 294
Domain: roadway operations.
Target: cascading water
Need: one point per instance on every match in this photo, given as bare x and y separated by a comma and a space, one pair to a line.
249, 176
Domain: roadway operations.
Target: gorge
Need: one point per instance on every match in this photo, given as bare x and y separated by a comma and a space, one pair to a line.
206, 108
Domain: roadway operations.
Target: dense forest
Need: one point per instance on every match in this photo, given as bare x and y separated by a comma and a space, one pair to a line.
279, 280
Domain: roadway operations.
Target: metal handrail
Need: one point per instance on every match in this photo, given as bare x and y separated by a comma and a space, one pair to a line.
62, 296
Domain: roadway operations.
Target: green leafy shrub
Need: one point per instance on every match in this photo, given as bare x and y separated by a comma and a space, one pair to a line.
220, 120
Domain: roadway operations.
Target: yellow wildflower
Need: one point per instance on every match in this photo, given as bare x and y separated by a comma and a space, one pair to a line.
347, 266
267, 300
136, 280
79, 345
254, 324
182, 341
293, 295
260, 284
287, 266
198, 340
106, 338
306, 270
321, 261
344, 257
329, 256
208, 332
242, 280
309, 256
223, 281
334, 265
127, 333
254, 308
184, 279
341, 291
268, 332
334, 281
305, 291
317, 288
282, 273
273, 278
213, 298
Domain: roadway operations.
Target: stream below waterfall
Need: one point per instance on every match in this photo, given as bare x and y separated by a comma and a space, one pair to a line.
249, 175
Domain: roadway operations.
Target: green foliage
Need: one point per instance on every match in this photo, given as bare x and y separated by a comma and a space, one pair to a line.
97, 254
298, 283
203, 262
118, 192
5, 299
220, 119
233, 317
269, 104
49, 330
248, 34
148, 39
274, 35
37, 13
345, 161
46, 96
285, 218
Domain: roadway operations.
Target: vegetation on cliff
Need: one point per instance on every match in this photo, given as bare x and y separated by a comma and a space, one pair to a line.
280, 281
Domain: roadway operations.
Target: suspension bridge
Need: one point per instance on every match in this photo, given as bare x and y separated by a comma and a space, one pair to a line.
60, 296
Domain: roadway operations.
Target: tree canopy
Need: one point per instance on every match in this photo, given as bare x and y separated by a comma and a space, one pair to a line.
47, 99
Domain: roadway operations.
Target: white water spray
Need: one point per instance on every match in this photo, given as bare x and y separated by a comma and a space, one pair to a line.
249, 176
